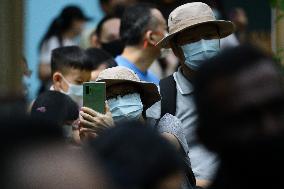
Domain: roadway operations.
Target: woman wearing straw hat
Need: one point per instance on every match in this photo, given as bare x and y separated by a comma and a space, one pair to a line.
194, 35
127, 98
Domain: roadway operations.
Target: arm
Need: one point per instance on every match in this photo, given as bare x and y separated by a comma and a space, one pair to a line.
170, 127
172, 139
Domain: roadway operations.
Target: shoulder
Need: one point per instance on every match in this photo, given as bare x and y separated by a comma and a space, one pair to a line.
51, 42
119, 60
154, 111
46, 49
172, 125
153, 78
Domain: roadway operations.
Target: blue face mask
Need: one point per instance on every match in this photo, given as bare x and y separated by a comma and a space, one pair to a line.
195, 53
126, 108
75, 92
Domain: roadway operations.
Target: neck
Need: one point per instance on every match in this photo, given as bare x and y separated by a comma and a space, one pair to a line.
188, 73
142, 59
68, 35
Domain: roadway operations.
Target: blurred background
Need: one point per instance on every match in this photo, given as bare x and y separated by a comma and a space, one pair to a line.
257, 21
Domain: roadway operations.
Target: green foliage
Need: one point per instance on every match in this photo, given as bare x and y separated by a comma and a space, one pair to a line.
277, 57
277, 4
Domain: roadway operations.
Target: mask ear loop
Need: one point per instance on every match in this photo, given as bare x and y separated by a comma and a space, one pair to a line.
67, 82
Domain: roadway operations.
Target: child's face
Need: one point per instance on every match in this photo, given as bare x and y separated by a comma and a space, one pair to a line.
76, 77
95, 73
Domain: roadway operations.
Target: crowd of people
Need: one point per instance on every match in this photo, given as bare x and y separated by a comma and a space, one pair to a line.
214, 121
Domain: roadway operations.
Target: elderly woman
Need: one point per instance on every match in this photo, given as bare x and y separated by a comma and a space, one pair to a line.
127, 99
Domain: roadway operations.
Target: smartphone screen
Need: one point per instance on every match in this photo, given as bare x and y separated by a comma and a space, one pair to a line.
94, 96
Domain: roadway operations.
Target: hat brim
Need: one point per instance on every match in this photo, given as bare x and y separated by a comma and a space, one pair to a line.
148, 91
225, 28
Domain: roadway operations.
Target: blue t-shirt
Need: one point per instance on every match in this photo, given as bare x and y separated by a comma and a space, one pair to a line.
144, 76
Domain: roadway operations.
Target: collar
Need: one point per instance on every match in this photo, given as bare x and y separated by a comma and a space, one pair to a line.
122, 61
184, 86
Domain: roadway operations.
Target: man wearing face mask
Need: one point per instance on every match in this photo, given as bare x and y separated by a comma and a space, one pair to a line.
70, 69
194, 36
106, 36
142, 26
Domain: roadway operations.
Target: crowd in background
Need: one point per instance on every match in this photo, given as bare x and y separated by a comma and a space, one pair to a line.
188, 103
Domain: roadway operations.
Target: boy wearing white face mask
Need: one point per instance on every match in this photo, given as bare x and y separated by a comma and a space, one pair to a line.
70, 69
194, 36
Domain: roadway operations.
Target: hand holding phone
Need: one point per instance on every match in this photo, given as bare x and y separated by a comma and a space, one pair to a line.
94, 122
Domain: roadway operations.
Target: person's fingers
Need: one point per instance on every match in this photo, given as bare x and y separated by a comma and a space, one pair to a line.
86, 124
88, 130
90, 111
85, 135
107, 107
108, 113
86, 116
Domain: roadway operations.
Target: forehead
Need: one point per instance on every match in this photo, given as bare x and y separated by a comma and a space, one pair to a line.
73, 74
111, 24
206, 31
121, 89
78, 21
254, 87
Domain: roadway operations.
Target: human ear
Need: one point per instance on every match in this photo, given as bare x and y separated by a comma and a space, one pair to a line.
57, 80
150, 37
94, 41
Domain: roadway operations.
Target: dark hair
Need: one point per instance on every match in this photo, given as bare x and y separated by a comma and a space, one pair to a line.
136, 155
104, 1
98, 57
135, 22
55, 107
227, 64
62, 23
99, 28
69, 57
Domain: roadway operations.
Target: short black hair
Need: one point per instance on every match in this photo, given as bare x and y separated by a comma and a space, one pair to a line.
69, 57
98, 57
136, 155
227, 64
136, 20
55, 107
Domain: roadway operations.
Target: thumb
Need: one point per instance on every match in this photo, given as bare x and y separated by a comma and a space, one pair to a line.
107, 107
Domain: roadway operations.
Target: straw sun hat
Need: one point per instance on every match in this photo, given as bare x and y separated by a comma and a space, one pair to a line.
119, 75
191, 15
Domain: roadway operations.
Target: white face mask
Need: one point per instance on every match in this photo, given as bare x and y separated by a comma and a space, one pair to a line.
75, 92
125, 108
195, 53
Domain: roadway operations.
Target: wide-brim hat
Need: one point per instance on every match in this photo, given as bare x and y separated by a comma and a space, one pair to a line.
149, 92
191, 15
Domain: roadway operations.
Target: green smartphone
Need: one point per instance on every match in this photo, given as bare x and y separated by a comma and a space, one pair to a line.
94, 96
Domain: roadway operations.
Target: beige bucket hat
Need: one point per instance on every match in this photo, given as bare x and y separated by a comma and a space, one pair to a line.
191, 15
117, 75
